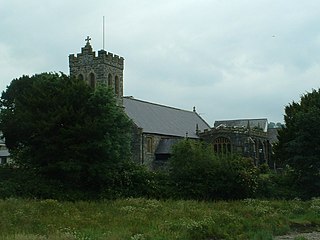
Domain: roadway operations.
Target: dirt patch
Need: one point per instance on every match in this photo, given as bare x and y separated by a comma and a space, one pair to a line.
308, 236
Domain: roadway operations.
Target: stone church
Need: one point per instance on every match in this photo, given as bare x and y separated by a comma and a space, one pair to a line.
157, 127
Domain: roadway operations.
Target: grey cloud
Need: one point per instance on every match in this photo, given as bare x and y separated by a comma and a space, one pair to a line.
230, 59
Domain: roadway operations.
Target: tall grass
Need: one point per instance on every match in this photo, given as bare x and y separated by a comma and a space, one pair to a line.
141, 219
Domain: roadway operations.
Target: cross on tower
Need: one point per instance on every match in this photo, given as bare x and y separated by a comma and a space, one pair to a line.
88, 40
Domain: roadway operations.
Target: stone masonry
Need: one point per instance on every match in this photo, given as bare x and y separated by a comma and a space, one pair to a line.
106, 68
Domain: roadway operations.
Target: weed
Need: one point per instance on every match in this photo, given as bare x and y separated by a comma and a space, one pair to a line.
262, 235
138, 237
142, 219
300, 238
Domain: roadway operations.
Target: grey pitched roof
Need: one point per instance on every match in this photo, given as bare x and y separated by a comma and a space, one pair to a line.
261, 123
4, 153
164, 120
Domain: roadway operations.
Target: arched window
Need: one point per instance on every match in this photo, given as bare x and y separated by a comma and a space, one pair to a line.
92, 80
222, 145
149, 144
110, 81
116, 85
80, 77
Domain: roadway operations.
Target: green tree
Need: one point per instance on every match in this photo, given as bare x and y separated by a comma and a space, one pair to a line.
64, 130
299, 143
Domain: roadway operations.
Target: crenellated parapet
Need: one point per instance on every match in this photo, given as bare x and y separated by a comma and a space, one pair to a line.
88, 56
104, 68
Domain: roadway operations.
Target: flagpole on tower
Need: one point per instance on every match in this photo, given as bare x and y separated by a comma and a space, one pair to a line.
103, 32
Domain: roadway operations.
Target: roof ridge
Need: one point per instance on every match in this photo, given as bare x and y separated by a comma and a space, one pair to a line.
242, 119
157, 104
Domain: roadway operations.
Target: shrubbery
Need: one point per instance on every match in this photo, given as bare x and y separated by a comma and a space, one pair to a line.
70, 141
127, 180
277, 185
198, 173
193, 172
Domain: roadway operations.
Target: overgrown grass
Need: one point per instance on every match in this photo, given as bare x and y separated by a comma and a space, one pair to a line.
141, 219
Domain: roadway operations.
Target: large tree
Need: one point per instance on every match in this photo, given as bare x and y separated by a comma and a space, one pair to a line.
63, 129
299, 142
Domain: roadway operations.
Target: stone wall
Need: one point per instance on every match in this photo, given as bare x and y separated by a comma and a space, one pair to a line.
136, 144
144, 146
253, 144
106, 68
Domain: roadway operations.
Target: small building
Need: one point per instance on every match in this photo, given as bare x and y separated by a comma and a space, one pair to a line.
4, 153
157, 128
246, 137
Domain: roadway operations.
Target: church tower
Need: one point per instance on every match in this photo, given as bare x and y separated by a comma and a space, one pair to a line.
104, 69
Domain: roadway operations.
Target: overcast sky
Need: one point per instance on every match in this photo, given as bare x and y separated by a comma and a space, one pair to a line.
232, 59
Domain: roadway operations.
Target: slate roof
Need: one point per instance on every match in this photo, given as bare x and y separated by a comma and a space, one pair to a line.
159, 119
261, 123
4, 153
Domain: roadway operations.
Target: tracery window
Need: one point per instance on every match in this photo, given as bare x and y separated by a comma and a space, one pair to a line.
222, 145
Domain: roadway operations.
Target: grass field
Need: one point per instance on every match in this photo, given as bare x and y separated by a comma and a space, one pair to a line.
141, 219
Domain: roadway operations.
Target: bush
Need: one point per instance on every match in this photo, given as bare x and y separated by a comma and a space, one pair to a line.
277, 185
16, 182
122, 181
235, 178
131, 180
198, 173
191, 169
